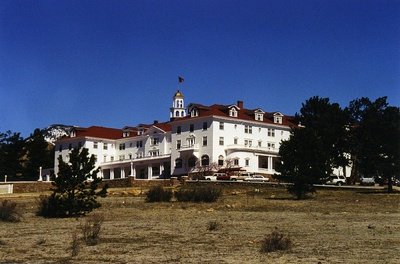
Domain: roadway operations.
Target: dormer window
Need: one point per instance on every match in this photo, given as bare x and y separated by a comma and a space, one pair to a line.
125, 134
259, 114
140, 132
73, 134
194, 112
278, 117
233, 112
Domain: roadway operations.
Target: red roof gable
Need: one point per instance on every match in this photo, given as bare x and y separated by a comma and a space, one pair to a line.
99, 132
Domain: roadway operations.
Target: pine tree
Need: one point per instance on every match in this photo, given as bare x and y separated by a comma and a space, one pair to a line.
75, 187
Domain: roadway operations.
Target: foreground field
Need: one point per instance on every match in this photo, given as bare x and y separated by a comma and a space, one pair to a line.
334, 227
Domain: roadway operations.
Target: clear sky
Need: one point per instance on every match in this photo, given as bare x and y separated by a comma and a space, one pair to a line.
116, 63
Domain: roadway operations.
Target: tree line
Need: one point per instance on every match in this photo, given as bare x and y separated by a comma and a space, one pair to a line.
21, 158
365, 135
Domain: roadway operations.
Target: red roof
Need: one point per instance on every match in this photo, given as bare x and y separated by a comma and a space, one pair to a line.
243, 114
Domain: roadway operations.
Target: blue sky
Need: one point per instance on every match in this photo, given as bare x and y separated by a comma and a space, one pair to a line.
116, 63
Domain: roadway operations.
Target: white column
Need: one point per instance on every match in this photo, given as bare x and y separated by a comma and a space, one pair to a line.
269, 163
161, 168
40, 174
134, 172
131, 174
112, 174
149, 172
122, 172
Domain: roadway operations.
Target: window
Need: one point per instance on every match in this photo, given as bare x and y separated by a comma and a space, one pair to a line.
204, 141
271, 132
247, 162
260, 144
155, 171
130, 156
248, 129
192, 161
178, 130
221, 141
154, 153
178, 163
235, 141
95, 145
112, 158
69, 146
278, 119
221, 160
95, 158
271, 145
194, 112
139, 144
191, 127
205, 160
233, 112
121, 157
122, 146
259, 116
105, 158
105, 146
236, 162
221, 125
205, 125
248, 142
60, 148
155, 141
178, 144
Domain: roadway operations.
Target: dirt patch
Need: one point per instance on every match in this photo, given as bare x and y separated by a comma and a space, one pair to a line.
333, 227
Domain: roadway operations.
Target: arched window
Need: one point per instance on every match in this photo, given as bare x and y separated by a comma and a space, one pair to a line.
192, 161
177, 113
221, 160
178, 163
182, 113
205, 160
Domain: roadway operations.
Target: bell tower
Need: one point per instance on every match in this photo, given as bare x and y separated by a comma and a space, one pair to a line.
178, 106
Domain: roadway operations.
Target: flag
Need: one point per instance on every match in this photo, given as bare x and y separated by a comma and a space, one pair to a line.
180, 79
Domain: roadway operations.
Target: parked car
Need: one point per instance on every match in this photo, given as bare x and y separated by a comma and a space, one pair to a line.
222, 177
241, 176
367, 181
336, 180
210, 177
257, 178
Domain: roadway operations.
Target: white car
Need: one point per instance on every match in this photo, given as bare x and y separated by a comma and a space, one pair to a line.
211, 177
257, 178
367, 181
336, 180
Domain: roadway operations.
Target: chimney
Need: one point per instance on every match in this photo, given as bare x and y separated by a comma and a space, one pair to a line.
155, 122
240, 104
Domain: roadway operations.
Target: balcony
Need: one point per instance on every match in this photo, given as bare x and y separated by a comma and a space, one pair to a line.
189, 148
247, 148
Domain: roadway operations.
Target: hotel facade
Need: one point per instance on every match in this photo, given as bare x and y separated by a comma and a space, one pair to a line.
195, 136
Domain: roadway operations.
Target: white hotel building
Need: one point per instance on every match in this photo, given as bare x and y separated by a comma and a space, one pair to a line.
199, 134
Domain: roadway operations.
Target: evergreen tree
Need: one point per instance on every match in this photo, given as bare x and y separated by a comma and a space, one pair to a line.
304, 162
374, 139
39, 154
75, 187
11, 155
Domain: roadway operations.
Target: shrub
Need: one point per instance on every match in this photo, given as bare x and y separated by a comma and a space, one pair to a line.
158, 194
198, 194
275, 241
50, 206
213, 225
91, 229
9, 212
75, 245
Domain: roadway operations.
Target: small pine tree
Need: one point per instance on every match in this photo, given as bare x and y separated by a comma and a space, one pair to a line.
75, 187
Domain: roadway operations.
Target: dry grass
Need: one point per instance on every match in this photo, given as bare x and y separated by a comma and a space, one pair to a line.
334, 227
